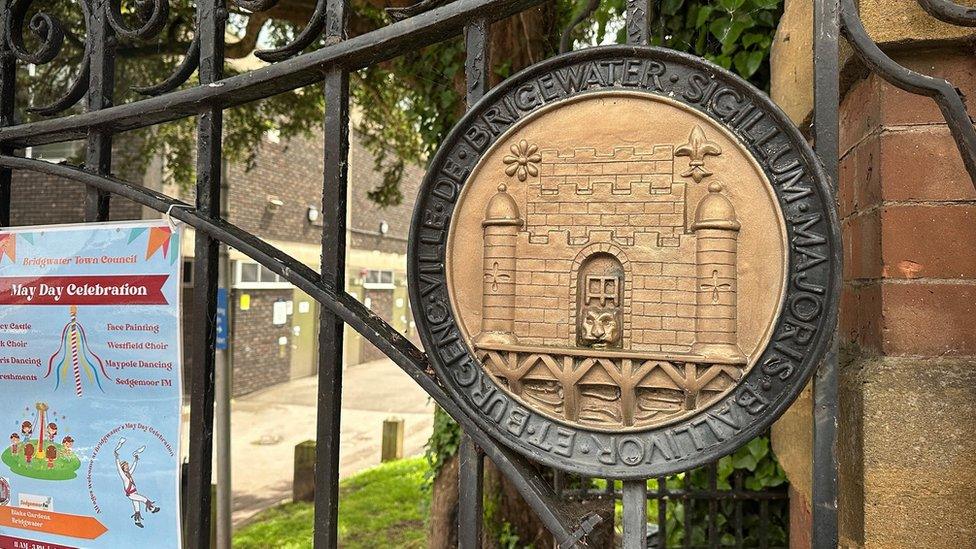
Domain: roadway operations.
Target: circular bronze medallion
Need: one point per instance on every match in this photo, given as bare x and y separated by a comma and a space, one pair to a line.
624, 262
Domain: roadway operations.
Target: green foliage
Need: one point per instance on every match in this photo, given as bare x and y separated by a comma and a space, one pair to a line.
406, 105
442, 444
760, 471
380, 507
147, 63
508, 539
735, 34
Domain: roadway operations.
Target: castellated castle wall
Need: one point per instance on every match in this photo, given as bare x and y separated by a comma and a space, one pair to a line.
625, 203
629, 190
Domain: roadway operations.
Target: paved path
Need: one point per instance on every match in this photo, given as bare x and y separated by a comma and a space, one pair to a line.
268, 424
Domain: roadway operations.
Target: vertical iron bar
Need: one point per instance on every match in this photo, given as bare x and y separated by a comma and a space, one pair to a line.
712, 471
738, 511
210, 29
662, 512
635, 514
688, 508
334, 210
8, 83
101, 87
470, 493
763, 524
826, 120
638, 22
635, 492
477, 67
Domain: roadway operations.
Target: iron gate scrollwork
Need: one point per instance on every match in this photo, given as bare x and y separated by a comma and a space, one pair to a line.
427, 23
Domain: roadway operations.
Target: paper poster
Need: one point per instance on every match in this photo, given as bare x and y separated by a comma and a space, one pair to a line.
90, 381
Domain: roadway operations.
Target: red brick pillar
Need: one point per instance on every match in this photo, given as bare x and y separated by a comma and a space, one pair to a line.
908, 312
908, 315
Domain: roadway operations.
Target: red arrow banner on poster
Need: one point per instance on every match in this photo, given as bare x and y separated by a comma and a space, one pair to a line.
83, 290
76, 526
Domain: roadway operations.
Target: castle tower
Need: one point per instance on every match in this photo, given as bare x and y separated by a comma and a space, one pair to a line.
501, 226
716, 230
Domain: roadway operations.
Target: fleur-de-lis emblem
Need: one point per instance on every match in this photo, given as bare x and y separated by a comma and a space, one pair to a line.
697, 148
523, 161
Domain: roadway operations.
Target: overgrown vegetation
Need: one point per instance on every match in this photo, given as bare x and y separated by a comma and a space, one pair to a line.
386, 507
760, 471
442, 444
406, 104
381, 507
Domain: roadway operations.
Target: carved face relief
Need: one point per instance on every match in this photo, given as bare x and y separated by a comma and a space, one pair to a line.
599, 327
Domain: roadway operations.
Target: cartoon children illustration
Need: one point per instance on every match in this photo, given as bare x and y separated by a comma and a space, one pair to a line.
66, 443
51, 454
52, 430
129, 484
28, 452
26, 430
14, 443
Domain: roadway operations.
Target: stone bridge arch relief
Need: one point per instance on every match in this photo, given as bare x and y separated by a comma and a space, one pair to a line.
617, 273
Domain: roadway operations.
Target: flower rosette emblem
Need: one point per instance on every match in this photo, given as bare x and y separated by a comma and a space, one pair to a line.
524, 161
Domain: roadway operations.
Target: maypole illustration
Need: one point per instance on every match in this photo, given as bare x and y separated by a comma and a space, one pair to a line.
74, 353
41, 409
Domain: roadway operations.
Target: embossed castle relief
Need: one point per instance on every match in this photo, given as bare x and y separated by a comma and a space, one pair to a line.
617, 261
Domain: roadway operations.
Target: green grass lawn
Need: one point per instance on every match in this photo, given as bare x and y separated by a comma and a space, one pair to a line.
381, 507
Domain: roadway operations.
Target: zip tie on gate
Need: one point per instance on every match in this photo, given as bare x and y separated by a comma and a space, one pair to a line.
169, 214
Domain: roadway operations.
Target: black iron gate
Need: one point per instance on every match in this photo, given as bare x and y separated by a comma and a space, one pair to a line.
430, 21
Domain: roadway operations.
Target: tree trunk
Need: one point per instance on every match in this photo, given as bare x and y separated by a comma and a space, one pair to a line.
443, 531
503, 504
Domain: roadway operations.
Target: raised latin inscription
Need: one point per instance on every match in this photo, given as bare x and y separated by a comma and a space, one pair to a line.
624, 262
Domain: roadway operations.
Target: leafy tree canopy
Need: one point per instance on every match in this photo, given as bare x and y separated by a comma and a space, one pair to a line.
403, 107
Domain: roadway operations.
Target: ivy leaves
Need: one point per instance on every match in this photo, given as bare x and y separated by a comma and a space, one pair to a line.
735, 34
759, 470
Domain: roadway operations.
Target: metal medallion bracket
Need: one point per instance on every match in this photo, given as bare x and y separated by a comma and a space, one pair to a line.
624, 262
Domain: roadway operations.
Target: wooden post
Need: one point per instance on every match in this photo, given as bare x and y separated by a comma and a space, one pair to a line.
303, 484
392, 439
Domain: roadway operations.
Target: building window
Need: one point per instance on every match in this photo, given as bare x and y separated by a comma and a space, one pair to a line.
55, 152
376, 279
252, 275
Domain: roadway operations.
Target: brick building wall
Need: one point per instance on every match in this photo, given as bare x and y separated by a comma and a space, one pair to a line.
290, 171
259, 360
381, 303
41, 199
366, 216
